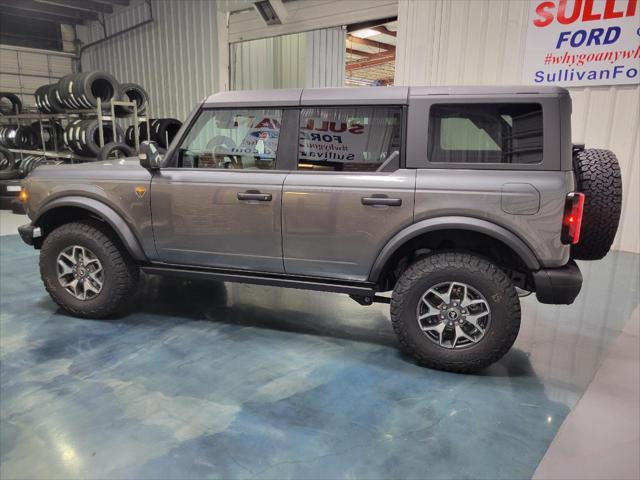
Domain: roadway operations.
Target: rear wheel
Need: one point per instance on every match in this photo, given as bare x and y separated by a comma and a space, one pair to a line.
455, 312
86, 270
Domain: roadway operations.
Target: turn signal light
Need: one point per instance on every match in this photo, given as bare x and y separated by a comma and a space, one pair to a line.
24, 196
572, 219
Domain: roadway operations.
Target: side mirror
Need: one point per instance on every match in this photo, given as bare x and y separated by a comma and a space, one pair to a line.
150, 155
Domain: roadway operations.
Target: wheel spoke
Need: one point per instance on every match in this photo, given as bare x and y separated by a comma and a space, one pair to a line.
438, 328
460, 333
63, 269
431, 310
473, 320
88, 286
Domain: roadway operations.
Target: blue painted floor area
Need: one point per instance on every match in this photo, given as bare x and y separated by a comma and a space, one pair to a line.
207, 380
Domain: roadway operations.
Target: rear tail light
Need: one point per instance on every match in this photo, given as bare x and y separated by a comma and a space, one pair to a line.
572, 219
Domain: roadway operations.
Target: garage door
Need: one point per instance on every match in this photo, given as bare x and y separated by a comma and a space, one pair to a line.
23, 70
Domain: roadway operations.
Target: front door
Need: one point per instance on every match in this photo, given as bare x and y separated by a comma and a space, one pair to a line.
219, 203
348, 196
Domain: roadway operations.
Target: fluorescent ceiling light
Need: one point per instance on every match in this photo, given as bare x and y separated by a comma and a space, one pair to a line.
365, 33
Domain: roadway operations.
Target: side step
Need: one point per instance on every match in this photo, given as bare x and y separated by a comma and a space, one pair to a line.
360, 289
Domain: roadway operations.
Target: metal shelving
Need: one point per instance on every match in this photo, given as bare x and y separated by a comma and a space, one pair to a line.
71, 115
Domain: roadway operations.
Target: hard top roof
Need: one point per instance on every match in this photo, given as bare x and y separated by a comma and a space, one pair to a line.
361, 95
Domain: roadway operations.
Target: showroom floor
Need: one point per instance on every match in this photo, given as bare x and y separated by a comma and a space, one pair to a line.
202, 380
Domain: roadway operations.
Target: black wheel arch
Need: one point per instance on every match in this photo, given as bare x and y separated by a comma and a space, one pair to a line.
69, 209
454, 233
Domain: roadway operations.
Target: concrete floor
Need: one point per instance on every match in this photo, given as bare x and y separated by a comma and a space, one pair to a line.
207, 380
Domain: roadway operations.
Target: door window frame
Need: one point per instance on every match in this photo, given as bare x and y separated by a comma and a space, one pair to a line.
289, 115
403, 137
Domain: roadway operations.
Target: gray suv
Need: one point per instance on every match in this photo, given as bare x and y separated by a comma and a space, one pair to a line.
457, 200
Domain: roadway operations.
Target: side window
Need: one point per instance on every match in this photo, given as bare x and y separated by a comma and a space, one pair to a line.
234, 139
486, 133
350, 139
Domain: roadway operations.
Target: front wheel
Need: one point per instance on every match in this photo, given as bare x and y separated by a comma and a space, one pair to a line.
455, 312
86, 270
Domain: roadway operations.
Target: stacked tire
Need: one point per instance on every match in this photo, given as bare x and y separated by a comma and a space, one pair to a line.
21, 137
7, 164
10, 104
131, 92
162, 131
80, 91
83, 137
10, 179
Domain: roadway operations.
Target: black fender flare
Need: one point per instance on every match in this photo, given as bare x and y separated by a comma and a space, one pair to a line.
453, 223
102, 210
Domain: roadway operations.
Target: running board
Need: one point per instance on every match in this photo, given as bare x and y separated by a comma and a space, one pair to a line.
273, 279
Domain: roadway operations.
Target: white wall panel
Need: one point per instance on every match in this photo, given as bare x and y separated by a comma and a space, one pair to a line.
308, 59
325, 62
175, 58
467, 42
23, 70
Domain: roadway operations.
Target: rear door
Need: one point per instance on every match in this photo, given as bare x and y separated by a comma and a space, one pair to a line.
349, 194
219, 205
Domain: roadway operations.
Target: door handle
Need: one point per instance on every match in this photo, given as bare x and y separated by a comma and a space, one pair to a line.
381, 200
254, 195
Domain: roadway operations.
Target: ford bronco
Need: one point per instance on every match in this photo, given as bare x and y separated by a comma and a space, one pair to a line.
456, 200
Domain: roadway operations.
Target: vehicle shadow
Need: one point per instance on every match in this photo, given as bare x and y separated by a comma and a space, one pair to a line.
209, 301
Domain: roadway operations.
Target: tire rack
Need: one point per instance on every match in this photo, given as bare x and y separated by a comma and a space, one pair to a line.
70, 115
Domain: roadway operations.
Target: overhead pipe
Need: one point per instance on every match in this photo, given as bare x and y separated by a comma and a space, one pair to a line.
117, 34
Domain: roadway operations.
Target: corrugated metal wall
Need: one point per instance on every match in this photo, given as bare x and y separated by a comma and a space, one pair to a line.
23, 70
309, 59
465, 42
277, 62
175, 58
325, 62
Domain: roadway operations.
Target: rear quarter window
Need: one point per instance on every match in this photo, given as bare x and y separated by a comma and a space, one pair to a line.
493, 133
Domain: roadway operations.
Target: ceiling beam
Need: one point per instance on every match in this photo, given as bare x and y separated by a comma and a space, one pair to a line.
47, 8
374, 60
371, 43
47, 17
354, 27
385, 31
83, 5
359, 53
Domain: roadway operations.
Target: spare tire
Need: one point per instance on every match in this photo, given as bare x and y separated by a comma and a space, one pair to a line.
10, 104
131, 92
115, 147
598, 176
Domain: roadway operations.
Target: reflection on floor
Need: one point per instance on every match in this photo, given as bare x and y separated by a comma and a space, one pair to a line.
203, 380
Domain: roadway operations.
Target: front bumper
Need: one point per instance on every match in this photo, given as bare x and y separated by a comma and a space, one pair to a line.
29, 233
558, 286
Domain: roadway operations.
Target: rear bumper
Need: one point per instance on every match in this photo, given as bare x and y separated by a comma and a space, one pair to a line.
28, 233
558, 286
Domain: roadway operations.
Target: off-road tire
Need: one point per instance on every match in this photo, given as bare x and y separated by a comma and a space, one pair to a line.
598, 177
120, 270
483, 276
